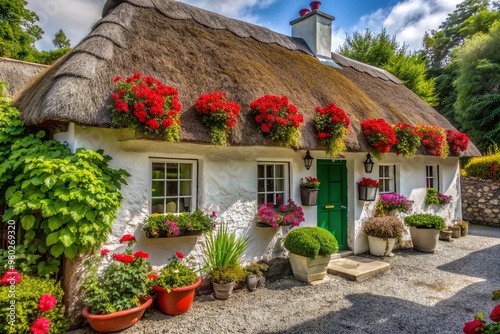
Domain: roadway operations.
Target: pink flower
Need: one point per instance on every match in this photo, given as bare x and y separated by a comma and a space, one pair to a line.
41, 326
11, 277
47, 302
213, 215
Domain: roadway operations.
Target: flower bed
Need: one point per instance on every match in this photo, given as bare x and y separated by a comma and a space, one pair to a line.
332, 125
147, 106
219, 114
278, 119
380, 135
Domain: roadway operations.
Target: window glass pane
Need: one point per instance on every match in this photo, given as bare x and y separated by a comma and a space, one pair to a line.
260, 173
260, 199
171, 206
269, 171
387, 186
280, 185
185, 204
185, 188
260, 187
269, 185
280, 196
172, 171
186, 171
157, 205
280, 171
158, 171
172, 188
158, 188
270, 198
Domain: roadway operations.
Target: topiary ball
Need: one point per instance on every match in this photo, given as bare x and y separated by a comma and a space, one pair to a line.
311, 242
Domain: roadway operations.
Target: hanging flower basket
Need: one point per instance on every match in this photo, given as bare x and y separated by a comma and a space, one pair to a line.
367, 189
219, 114
409, 139
308, 196
380, 135
278, 119
457, 141
434, 140
332, 125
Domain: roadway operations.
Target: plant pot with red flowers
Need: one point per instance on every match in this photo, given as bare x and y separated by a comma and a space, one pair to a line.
332, 125
478, 325
219, 114
309, 191
175, 286
278, 119
434, 140
117, 296
457, 141
147, 106
380, 135
367, 189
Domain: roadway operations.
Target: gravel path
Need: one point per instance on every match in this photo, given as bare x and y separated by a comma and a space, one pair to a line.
424, 293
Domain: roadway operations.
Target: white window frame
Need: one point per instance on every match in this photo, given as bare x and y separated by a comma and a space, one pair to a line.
286, 180
391, 177
194, 183
434, 180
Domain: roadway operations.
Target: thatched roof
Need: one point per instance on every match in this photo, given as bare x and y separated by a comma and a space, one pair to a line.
17, 74
197, 51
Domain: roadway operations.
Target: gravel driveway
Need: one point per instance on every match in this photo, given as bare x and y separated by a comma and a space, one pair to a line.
424, 293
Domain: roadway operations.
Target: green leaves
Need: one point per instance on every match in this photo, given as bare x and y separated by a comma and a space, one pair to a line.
65, 202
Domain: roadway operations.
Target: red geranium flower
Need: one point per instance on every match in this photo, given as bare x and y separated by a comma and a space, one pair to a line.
179, 255
458, 141
380, 135
104, 252
495, 314
47, 302
11, 276
332, 125
41, 326
152, 276
127, 238
141, 254
123, 258
473, 327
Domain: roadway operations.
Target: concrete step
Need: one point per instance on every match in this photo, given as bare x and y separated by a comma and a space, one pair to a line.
356, 268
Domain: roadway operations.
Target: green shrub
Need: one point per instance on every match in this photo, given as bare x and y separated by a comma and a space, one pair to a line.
175, 275
425, 220
227, 274
487, 167
27, 295
311, 242
256, 269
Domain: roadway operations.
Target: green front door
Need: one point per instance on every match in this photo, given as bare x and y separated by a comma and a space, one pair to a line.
332, 199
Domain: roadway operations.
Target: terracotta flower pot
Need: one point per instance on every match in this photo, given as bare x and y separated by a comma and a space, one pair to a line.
315, 5
178, 300
113, 322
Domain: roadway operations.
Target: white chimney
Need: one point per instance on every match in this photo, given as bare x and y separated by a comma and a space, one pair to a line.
315, 28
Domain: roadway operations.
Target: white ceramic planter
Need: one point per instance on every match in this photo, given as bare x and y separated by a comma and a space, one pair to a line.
307, 269
424, 239
381, 247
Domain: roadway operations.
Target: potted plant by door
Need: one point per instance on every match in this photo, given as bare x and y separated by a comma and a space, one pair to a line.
367, 189
382, 234
175, 286
424, 230
310, 251
309, 191
117, 297
223, 250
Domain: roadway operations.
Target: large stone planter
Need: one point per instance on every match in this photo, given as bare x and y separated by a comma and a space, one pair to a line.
307, 269
424, 239
381, 247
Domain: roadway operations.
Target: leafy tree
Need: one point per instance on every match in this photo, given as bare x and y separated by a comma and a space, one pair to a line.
18, 31
384, 51
478, 86
60, 40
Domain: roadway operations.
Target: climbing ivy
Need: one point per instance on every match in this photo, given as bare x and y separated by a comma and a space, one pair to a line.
66, 202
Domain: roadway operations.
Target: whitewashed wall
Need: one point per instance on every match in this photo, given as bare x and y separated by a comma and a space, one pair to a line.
227, 184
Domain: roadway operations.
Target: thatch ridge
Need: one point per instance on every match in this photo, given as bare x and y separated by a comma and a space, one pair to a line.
17, 73
196, 59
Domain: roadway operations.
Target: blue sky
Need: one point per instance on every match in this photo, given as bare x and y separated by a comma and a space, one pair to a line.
407, 19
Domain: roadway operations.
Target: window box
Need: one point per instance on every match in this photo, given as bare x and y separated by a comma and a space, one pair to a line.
185, 233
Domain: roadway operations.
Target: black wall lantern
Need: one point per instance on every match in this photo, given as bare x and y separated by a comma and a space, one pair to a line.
368, 163
308, 160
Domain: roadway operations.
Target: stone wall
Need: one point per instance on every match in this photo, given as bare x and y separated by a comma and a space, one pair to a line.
480, 199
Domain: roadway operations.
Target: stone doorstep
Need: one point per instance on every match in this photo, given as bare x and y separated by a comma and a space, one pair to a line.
357, 268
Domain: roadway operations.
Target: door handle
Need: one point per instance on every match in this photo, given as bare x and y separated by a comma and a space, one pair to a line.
329, 206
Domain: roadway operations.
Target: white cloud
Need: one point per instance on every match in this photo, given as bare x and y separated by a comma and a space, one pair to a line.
409, 19
338, 38
75, 17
